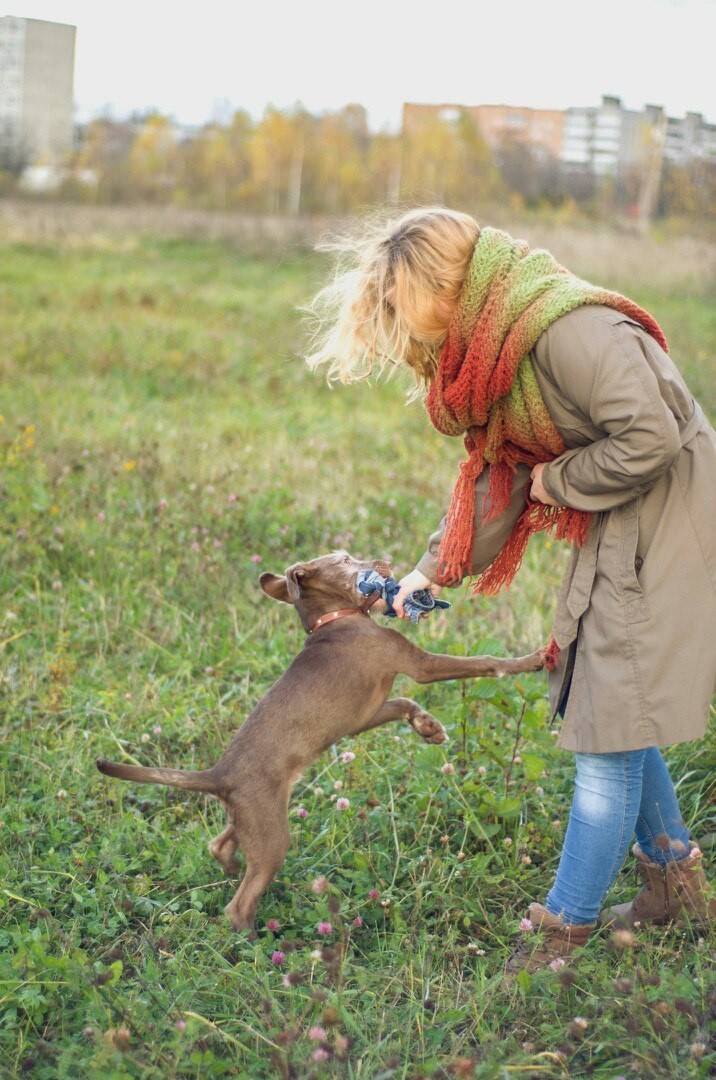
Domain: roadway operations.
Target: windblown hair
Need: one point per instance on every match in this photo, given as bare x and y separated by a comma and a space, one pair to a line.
393, 282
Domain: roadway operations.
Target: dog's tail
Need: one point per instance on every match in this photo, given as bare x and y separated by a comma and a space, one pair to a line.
204, 780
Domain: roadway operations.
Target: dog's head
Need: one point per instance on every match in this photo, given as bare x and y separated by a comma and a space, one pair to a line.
326, 583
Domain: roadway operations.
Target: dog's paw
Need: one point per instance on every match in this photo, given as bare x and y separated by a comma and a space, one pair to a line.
536, 659
239, 921
429, 728
520, 664
225, 857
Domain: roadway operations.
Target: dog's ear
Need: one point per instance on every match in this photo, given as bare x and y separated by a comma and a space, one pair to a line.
286, 587
275, 586
295, 577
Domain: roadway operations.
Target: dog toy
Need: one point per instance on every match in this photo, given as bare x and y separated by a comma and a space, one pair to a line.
418, 603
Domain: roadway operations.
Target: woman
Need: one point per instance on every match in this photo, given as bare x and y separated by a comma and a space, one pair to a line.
575, 419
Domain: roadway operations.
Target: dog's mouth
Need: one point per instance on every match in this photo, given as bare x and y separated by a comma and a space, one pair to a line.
381, 567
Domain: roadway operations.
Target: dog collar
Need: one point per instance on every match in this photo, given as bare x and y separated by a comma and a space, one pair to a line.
331, 616
341, 613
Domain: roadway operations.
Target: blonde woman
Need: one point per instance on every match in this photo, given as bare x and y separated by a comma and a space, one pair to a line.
575, 420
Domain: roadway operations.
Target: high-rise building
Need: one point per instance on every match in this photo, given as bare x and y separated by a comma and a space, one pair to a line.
37, 61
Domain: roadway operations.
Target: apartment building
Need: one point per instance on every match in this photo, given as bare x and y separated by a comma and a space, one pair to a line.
36, 91
689, 139
605, 140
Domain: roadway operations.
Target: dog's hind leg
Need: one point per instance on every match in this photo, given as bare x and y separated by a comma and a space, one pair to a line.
264, 840
223, 848
421, 721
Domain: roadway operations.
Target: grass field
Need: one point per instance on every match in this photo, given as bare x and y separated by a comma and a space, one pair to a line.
161, 445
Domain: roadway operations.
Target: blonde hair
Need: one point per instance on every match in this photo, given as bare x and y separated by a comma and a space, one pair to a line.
394, 286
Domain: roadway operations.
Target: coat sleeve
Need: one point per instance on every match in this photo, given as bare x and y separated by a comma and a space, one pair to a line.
601, 366
490, 536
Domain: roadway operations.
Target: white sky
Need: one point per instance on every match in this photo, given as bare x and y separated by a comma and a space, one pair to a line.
196, 61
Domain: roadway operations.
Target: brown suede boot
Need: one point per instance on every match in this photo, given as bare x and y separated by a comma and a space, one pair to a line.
556, 942
669, 891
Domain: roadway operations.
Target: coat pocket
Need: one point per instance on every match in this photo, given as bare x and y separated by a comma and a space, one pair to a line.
635, 601
580, 588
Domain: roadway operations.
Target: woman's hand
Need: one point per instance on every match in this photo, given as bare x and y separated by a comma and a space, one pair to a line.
411, 583
537, 491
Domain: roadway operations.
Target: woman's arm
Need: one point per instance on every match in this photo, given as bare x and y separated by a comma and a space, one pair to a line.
602, 365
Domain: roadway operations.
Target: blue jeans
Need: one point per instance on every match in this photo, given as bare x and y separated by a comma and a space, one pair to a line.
616, 795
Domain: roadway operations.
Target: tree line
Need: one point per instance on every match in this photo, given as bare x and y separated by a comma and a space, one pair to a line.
291, 162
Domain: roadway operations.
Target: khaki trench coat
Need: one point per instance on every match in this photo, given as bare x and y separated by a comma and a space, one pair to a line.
636, 615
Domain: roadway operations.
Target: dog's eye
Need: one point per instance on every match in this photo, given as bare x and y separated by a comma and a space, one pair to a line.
348, 558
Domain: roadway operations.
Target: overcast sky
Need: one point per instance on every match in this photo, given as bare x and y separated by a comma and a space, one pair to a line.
195, 62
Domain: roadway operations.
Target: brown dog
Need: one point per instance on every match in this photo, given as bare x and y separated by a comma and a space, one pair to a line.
338, 685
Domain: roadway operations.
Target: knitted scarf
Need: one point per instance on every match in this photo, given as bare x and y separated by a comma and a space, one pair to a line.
485, 389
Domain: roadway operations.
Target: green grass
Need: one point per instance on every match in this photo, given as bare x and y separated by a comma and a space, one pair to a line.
159, 437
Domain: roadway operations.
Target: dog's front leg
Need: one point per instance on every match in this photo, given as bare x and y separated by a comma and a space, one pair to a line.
422, 722
427, 667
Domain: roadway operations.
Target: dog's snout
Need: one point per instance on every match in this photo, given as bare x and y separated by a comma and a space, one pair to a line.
384, 567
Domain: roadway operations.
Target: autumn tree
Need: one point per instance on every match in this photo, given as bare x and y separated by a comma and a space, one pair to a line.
103, 159
337, 174
277, 151
685, 191
529, 172
217, 164
154, 159
447, 159
384, 163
